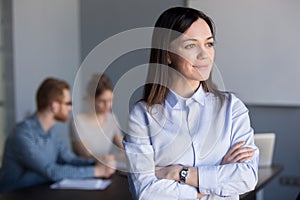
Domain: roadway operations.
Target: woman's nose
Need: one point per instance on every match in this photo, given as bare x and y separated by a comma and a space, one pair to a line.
202, 53
107, 104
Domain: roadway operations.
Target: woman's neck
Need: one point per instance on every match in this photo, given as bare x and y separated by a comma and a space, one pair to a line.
184, 87
101, 117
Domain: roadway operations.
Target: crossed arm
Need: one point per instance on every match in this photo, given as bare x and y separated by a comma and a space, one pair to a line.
231, 177
236, 153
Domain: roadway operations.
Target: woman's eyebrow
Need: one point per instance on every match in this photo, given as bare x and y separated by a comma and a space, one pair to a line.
190, 39
195, 40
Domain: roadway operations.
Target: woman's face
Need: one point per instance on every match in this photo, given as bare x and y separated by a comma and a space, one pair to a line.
193, 52
103, 102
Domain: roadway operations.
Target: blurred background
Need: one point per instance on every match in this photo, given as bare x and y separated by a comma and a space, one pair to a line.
41, 38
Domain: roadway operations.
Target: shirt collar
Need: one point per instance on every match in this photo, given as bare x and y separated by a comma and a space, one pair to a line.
39, 127
176, 101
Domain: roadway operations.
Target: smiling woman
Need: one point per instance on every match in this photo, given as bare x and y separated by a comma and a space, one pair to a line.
193, 54
186, 139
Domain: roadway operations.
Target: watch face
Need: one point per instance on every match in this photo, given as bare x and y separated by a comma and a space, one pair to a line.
183, 173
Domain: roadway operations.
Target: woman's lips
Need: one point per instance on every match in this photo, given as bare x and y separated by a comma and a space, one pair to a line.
201, 66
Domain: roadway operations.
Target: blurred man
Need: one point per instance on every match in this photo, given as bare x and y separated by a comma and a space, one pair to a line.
34, 154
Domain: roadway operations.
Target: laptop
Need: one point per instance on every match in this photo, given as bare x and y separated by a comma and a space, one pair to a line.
265, 143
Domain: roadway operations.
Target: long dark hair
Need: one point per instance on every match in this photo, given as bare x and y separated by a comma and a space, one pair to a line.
170, 25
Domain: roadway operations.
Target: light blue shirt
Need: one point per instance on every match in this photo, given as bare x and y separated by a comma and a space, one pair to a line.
194, 132
33, 156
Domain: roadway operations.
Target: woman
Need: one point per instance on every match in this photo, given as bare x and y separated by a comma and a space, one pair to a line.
186, 139
96, 132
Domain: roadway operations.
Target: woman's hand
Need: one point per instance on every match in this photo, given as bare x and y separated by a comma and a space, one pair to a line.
172, 173
169, 172
199, 195
238, 154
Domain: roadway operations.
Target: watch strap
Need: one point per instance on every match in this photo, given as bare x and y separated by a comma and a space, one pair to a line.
183, 174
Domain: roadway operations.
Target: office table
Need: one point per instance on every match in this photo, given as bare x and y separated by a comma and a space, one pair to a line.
265, 175
118, 190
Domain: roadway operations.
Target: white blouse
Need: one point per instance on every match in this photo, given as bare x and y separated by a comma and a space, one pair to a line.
194, 132
98, 139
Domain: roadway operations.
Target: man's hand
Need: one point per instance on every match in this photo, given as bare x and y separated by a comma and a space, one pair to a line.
238, 154
103, 171
108, 160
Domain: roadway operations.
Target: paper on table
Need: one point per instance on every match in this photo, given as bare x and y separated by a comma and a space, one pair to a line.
81, 184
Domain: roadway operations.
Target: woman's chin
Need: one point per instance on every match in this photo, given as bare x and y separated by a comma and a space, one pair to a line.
102, 112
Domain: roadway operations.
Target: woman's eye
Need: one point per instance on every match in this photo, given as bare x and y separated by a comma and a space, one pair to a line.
189, 46
210, 44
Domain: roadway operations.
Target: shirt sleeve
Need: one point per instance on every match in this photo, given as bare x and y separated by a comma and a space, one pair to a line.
35, 158
73, 131
234, 178
66, 156
139, 151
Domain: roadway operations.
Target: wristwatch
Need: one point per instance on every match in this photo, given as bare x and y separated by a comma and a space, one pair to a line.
183, 174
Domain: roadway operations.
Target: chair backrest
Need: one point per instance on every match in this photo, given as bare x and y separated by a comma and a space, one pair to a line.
265, 143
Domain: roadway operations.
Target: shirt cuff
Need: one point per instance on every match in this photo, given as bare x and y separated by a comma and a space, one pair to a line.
187, 191
87, 171
91, 161
207, 179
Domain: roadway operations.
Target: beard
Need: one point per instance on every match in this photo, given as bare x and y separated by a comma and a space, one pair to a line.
61, 117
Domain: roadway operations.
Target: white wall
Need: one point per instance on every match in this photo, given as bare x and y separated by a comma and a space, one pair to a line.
257, 49
45, 43
103, 19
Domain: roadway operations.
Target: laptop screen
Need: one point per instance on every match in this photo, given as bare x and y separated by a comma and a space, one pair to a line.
265, 143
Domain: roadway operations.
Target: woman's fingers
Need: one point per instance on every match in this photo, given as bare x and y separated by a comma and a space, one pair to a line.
242, 154
246, 159
238, 154
228, 156
234, 148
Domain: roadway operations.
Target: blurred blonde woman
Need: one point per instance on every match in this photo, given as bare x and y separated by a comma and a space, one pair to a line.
95, 132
